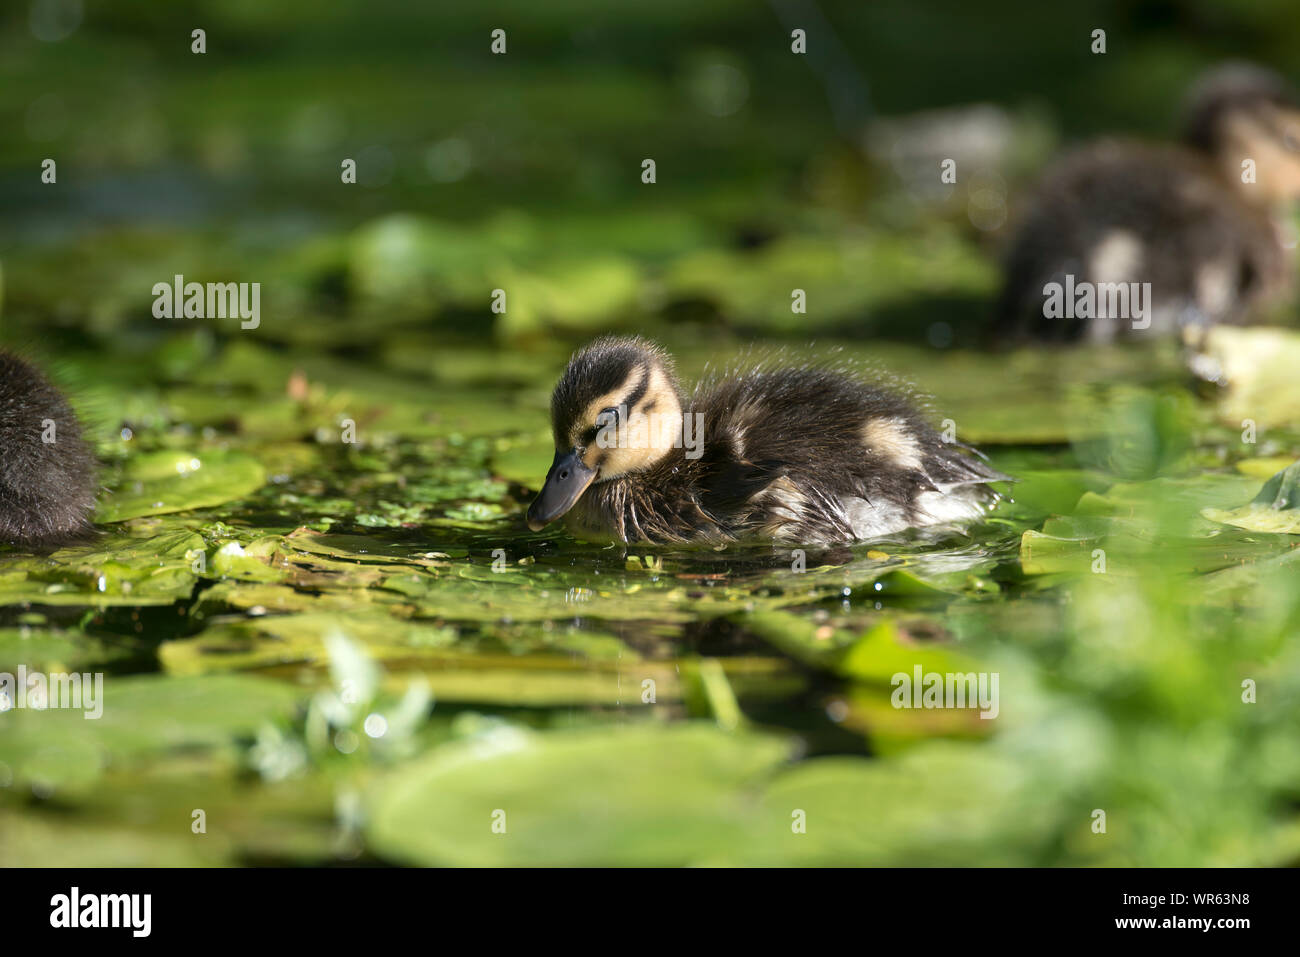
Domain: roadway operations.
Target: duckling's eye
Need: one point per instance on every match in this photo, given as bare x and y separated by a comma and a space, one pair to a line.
605, 419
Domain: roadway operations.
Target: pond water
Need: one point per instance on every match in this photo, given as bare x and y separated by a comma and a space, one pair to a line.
324, 623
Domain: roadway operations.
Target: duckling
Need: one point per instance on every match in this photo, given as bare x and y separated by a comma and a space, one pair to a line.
1187, 219
793, 454
47, 471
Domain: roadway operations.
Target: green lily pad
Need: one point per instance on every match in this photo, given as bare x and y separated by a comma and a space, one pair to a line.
941, 804
880, 654
114, 570
161, 482
1275, 509
645, 795
46, 649
142, 716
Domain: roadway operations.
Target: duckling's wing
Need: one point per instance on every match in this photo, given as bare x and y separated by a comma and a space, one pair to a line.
817, 455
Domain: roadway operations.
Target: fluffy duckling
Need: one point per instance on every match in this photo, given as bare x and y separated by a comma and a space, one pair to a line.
1185, 219
805, 455
47, 472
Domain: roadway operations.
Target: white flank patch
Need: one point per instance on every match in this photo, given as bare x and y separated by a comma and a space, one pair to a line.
1215, 288
893, 439
1117, 258
960, 504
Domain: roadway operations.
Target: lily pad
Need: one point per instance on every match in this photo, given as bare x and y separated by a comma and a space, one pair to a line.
1275, 509
157, 483
649, 795
59, 748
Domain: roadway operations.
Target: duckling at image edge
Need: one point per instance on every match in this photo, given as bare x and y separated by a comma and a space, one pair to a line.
794, 454
47, 472
1190, 220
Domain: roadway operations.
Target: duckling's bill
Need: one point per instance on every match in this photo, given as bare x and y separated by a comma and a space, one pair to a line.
565, 482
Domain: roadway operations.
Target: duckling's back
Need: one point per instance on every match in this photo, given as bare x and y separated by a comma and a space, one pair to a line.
1125, 213
47, 473
816, 455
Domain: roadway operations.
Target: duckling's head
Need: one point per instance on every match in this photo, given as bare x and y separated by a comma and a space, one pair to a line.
617, 409
1240, 112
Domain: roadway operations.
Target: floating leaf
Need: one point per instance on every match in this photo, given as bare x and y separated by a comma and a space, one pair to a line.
139, 716
649, 795
1275, 509
160, 482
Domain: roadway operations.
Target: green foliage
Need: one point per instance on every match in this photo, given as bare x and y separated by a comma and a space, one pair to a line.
281, 599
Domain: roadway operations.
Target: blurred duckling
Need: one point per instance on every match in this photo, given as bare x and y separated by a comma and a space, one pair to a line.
47, 472
795, 454
1188, 219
